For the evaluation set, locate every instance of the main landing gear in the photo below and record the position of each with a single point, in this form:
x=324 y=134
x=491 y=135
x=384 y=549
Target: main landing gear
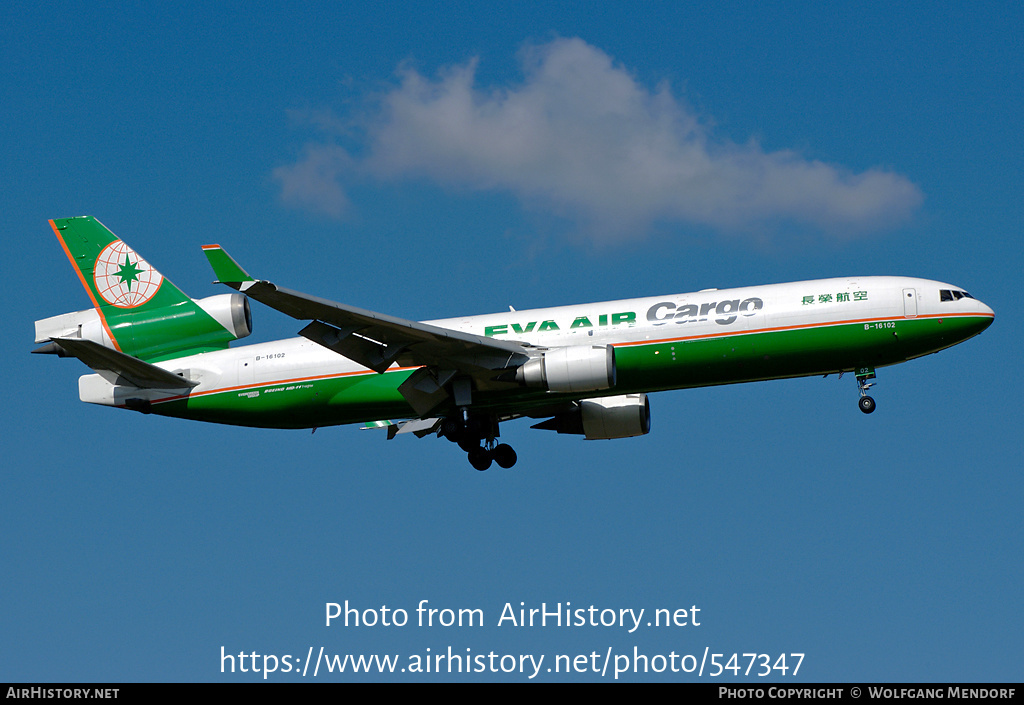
x=477 y=436
x=502 y=454
x=866 y=403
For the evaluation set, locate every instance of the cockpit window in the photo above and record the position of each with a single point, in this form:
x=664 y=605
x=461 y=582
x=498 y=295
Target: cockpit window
x=953 y=295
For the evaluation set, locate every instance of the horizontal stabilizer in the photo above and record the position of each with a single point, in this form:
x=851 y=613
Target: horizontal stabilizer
x=419 y=427
x=133 y=370
x=383 y=423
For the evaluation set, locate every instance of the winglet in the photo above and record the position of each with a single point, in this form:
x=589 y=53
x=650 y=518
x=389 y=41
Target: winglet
x=225 y=267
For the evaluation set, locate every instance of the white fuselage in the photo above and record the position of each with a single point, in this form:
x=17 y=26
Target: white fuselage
x=627 y=322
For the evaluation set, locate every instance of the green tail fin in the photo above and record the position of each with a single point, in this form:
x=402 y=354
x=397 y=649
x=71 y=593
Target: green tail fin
x=142 y=312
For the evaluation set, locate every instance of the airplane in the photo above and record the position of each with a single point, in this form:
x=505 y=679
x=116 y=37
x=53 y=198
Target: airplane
x=584 y=369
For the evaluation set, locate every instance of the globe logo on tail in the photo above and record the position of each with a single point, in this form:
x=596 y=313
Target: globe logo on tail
x=123 y=278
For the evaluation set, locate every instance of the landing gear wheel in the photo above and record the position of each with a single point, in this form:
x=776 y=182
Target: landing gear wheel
x=504 y=455
x=468 y=443
x=867 y=404
x=480 y=458
x=451 y=429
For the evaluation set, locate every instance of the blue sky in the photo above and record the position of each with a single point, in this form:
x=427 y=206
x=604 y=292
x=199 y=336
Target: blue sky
x=458 y=158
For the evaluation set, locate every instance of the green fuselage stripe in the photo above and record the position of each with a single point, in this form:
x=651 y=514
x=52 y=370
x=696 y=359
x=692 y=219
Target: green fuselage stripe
x=642 y=366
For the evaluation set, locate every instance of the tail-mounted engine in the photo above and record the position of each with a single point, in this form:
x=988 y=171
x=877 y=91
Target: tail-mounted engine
x=231 y=311
x=156 y=333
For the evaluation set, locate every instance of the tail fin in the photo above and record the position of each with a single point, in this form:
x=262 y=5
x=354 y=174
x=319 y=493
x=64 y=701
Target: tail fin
x=142 y=313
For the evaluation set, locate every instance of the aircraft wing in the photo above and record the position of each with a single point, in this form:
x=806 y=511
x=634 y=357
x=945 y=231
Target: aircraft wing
x=377 y=340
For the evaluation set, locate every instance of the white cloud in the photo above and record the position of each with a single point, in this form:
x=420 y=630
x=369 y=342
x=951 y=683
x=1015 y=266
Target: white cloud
x=313 y=183
x=580 y=137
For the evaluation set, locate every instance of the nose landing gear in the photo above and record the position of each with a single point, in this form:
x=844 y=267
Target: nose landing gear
x=866 y=403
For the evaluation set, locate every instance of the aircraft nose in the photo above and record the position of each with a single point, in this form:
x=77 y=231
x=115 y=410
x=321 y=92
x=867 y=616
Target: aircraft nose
x=987 y=310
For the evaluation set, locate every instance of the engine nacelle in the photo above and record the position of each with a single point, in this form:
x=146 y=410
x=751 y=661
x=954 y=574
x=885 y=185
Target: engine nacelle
x=577 y=368
x=621 y=416
x=150 y=333
x=231 y=311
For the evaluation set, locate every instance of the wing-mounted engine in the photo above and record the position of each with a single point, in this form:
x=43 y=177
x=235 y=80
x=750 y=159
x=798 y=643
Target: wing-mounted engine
x=620 y=416
x=577 y=368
